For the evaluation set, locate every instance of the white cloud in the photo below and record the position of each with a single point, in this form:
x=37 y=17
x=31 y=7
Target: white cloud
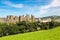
x=13 y=5
x=54 y=3
x=47 y=9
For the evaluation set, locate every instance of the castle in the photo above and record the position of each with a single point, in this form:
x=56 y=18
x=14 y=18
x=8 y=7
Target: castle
x=14 y=19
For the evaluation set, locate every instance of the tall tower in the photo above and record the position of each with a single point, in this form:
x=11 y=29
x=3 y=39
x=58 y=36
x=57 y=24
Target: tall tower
x=16 y=19
x=21 y=18
x=10 y=18
x=27 y=18
x=32 y=18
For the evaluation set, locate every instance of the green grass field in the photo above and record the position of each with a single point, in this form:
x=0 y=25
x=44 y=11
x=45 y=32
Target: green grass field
x=52 y=34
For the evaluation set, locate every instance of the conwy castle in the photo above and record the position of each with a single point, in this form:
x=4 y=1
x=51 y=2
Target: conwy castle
x=14 y=19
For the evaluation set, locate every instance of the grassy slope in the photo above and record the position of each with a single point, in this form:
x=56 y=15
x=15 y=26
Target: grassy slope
x=52 y=34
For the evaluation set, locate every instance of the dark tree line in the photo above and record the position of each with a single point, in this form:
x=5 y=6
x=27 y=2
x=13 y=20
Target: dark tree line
x=23 y=27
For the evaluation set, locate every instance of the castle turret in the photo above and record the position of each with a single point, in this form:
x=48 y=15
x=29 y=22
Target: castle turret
x=16 y=19
x=27 y=18
x=32 y=18
x=10 y=18
x=21 y=18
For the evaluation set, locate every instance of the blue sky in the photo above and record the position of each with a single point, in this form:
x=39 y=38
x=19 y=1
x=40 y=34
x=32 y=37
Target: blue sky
x=38 y=8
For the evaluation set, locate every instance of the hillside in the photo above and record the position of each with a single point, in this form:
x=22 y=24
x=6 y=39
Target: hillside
x=52 y=34
x=52 y=17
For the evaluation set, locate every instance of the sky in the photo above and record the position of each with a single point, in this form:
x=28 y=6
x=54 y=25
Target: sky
x=38 y=8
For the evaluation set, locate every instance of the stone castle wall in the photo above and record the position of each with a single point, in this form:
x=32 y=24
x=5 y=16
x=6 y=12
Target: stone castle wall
x=14 y=19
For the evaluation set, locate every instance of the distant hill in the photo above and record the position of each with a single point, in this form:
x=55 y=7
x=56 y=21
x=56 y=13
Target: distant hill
x=52 y=34
x=52 y=17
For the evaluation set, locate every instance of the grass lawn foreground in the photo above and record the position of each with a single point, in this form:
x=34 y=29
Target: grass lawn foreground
x=52 y=34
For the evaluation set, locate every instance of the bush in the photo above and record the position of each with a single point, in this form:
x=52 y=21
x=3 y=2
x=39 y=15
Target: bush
x=23 y=27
